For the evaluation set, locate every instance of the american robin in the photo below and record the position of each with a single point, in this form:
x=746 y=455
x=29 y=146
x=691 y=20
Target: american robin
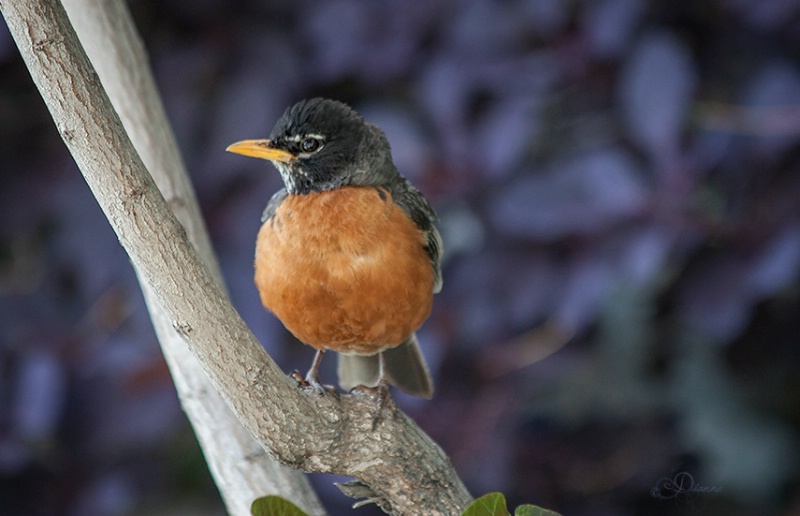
x=348 y=255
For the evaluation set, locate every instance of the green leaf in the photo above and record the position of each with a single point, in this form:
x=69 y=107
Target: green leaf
x=275 y=506
x=532 y=510
x=492 y=504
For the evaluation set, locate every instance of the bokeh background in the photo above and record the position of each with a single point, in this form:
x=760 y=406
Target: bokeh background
x=618 y=183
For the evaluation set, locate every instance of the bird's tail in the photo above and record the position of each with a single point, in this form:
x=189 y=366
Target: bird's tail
x=405 y=368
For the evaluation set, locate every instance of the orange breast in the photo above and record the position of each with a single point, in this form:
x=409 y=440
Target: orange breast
x=344 y=270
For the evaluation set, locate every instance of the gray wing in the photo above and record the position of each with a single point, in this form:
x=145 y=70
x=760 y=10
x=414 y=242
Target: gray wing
x=423 y=215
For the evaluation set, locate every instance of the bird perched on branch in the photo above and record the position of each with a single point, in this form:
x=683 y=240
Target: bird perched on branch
x=347 y=257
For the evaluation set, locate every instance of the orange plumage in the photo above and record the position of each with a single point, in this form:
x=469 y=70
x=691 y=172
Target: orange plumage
x=345 y=270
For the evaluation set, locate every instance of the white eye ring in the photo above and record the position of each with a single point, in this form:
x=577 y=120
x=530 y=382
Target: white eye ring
x=310 y=145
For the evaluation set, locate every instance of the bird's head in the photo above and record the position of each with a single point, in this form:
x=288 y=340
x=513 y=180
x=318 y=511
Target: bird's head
x=322 y=144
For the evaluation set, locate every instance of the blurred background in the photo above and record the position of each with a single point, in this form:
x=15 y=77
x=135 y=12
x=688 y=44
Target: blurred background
x=618 y=183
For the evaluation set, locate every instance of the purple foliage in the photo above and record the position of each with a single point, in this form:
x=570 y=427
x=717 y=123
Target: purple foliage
x=618 y=188
x=771 y=99
x=39 y=400
x=608 y=25
x=656 y=89
x=582 y=195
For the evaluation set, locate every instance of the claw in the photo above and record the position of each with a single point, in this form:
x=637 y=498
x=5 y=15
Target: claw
x=311 y=380
x=382 y=396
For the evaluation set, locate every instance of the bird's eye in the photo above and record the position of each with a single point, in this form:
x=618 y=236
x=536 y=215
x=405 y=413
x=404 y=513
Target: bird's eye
x=310 y=144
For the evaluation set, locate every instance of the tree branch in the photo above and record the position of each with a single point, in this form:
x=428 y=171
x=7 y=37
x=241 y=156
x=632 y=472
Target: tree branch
x=404 y=470
x=241 y=469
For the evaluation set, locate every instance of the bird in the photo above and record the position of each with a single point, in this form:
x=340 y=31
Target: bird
x=348 y=256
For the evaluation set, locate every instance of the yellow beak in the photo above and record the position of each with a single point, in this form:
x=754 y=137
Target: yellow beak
x=260 y=149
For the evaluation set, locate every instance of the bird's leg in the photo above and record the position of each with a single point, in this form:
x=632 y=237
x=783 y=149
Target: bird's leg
x=312 y=377
x=383 y=383
x=382 y=389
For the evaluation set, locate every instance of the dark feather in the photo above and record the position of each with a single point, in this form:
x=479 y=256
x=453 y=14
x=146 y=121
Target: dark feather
x=275 y=201
x=423 y=215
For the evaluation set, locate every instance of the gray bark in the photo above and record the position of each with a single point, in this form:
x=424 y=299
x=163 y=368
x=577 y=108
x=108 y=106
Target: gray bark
x=240 y=467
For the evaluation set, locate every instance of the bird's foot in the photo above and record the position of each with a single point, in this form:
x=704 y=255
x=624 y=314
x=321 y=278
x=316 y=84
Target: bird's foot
x=384 y=404
x=312 y=383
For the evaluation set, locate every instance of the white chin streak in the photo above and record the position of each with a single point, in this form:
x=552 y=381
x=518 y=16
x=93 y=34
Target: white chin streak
x=288 y=175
